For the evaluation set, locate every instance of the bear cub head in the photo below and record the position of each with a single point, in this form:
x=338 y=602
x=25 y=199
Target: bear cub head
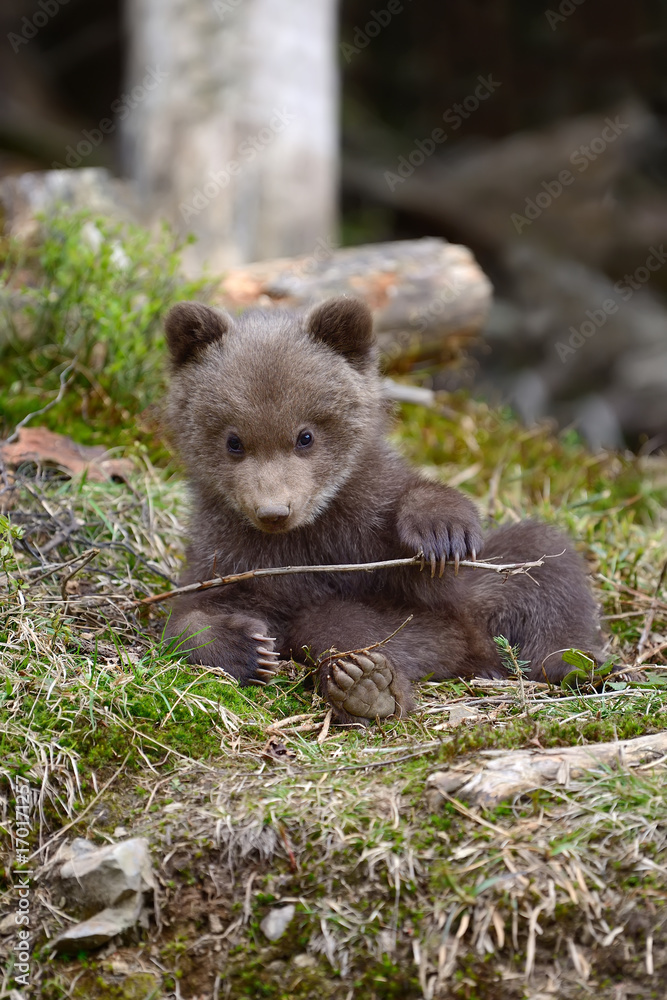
x=272 y=411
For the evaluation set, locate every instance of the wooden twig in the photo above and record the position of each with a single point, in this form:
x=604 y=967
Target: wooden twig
x=85 y=558
x=62 y=565
x=648 y=621
x=509 y=569
x=649 y=654
x=64 y=382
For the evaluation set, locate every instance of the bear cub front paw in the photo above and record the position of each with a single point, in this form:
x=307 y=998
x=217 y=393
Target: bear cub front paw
x=441 y=532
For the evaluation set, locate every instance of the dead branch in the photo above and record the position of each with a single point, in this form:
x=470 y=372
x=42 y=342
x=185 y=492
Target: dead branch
x=85 y=557
x=509 y=569
x=640 y=655
x=510 y=774
x=64 y=382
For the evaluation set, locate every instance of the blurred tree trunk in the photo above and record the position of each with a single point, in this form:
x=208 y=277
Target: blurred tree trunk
x=231 y=131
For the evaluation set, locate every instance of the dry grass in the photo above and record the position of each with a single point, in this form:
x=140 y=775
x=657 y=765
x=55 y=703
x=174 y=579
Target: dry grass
x=250 y=797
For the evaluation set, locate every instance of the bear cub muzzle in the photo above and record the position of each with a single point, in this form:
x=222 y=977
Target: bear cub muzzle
x=280 y=421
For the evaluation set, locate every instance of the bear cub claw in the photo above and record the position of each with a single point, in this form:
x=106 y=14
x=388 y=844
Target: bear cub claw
x=267 y=661
x=439 y=539
x=360 y=684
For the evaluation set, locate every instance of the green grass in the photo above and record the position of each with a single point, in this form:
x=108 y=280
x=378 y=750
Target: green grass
x=87 y=298
x=243 y=788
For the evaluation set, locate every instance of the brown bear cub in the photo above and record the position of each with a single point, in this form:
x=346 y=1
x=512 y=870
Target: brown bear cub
x=280 y=420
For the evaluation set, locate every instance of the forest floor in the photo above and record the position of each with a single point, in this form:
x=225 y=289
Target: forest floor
x=252 y=802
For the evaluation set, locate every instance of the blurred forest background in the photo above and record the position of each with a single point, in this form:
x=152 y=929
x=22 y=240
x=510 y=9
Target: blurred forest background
x=533 y=133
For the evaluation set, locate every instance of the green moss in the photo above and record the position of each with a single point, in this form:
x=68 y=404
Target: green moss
x=134 y=986
x=388 y=980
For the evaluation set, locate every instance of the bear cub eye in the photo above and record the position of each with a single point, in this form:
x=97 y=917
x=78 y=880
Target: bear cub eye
x=305 y=439
x=235 y=445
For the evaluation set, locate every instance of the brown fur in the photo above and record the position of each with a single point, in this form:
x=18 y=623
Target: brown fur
x=264 y=379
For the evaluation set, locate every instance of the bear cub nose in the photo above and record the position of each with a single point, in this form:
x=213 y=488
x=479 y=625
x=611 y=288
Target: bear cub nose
x=273 y=513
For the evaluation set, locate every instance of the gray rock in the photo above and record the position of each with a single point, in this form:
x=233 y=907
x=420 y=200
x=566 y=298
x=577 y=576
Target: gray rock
x=92 y=878
x=101 y=928
x=8 y=924
x=106 y=885
x=276 y=922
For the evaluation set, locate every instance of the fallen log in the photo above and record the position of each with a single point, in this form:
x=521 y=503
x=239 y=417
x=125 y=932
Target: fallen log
x=429 y=298
x=508 y=774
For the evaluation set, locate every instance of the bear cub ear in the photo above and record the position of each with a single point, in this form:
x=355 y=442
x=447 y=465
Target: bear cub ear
x=346 y=325
x=190 y=326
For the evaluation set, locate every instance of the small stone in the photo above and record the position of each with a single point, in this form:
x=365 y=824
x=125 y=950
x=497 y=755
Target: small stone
x=101 y=928
x=93 y=878
x=304 y=961
x=215 y=923
x=276 y=922
x=277 y=967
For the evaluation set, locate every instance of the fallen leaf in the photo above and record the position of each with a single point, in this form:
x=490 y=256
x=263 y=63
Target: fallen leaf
x=39 y=444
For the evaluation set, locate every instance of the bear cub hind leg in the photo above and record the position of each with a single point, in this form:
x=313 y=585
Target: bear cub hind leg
x=364 y=686
x=365 y=670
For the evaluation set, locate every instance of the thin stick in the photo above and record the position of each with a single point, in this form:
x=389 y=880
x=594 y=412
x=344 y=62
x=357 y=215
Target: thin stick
x=641 y=660
x=85 y=559
x=44 y=409
x=661 y=605
x=650 y=615
x=427 y=748
x=509 y=569
x=475 y=817
x=335 y=655
x=324 y=732
x=57 y=566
